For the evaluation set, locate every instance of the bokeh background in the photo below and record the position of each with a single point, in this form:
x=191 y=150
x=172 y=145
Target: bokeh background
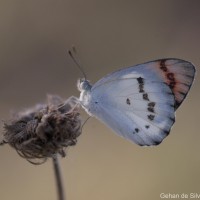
x=108 y=34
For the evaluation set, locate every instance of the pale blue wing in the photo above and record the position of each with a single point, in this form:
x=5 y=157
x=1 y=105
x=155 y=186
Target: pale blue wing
x=139 y=102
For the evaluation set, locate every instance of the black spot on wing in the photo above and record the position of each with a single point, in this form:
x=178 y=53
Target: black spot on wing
x=150 y=109
x=140 y=81
x=128 y=101
x=145 y=96
x=147 y=126
x=151 y=117
x=137 y=130
x=171 y=79
x=151 y=106
x=163 y=65
x=170 y=76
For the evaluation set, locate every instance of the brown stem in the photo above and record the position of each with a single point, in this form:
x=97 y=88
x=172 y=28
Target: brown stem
x=58 y=175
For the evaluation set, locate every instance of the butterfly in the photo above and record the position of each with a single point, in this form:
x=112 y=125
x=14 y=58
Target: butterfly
x=139 y=102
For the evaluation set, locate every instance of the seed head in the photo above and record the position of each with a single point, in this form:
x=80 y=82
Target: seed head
x=45 y=130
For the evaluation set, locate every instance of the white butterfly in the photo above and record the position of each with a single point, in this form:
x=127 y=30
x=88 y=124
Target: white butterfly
x=139 y=102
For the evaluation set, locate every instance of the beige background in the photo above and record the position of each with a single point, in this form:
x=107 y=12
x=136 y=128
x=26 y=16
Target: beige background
x=108 y=34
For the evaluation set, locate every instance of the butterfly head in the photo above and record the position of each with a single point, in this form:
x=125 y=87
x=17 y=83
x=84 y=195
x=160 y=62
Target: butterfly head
x=84 y=85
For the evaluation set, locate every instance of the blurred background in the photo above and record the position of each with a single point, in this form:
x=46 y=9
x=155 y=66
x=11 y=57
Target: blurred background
x=108 y=35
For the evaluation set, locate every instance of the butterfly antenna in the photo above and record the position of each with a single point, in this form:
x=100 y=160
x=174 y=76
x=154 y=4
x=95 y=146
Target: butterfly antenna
x=76 y=62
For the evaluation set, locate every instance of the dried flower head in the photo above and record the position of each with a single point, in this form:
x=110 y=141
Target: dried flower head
x=45 y=130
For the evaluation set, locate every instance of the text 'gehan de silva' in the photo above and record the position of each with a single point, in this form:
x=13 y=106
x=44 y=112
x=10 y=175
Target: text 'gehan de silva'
x=180 y=196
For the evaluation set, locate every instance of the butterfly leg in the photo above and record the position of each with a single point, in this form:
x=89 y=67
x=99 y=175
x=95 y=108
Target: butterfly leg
x=73 y=103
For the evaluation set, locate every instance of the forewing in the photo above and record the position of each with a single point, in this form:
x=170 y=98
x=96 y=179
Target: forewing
x=176 y=73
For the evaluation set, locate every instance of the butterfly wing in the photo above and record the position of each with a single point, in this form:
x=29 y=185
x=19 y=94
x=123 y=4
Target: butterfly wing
x=139 y=103
x=176 y=73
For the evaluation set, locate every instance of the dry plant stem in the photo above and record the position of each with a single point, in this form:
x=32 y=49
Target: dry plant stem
x=58 y=176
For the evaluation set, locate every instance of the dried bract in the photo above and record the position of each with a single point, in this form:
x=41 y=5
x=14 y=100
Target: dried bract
x=45 y=130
